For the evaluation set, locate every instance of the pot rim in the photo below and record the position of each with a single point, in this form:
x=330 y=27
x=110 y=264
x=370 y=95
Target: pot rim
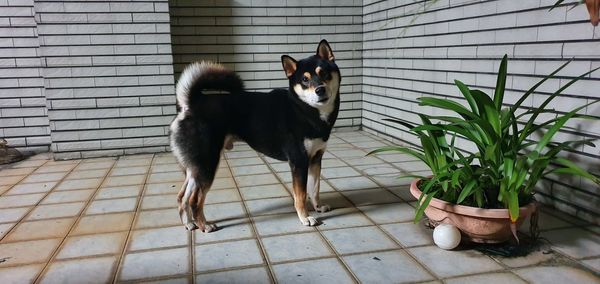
x=468 y=210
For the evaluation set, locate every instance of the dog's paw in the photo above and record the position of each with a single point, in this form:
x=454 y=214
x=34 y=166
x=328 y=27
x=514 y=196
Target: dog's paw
x=309 y=221
x=209 y=227
x=190 y=226
x=323 y=208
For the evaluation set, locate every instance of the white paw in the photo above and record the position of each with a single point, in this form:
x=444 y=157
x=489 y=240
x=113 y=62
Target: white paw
x=209 y=227
x=323 y=208
x=309 y=221
x=190 y=226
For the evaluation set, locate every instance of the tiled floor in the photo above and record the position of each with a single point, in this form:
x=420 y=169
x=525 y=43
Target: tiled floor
x=115 y=220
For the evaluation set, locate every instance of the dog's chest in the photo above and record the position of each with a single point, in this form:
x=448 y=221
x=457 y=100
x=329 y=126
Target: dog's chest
x=314 y=145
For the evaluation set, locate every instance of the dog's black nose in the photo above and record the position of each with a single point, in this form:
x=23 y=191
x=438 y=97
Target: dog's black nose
x=320 y=91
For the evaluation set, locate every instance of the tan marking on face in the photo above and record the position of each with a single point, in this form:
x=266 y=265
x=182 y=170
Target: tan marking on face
x=318 y=70
x=307 y=75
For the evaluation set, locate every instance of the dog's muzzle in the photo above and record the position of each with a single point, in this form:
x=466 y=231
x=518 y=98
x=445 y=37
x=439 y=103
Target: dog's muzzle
x=322 y=93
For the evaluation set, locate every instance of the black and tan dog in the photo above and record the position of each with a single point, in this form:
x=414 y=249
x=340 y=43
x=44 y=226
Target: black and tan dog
x=290 y=125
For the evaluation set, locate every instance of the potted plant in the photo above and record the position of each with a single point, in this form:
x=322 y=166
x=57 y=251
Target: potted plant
x=488 y=193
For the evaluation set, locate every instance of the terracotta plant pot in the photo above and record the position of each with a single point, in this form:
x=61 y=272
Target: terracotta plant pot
x=478 y=225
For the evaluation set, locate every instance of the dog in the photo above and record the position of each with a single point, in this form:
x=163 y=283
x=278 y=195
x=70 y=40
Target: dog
x=290 y=125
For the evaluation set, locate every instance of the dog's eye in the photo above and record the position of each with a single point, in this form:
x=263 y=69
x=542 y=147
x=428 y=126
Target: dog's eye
x=304 y=79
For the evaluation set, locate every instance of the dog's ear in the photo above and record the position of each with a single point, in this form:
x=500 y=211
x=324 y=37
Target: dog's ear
x=289 y=65
x=324 y=51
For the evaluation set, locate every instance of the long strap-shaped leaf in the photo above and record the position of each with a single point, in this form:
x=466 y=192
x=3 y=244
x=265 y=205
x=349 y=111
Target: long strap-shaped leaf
x=500 y=84
x=548 y=100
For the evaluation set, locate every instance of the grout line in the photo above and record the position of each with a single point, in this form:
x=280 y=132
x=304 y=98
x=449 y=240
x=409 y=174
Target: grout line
x=137 y=211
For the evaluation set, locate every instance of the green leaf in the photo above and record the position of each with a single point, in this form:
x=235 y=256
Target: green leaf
x=447 y=104
x=500 y=84
x=513 y=205
x=466 y=191
x=467 y=94
x=422 y=207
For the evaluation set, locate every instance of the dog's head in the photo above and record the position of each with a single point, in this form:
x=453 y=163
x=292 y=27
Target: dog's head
x=314 y=80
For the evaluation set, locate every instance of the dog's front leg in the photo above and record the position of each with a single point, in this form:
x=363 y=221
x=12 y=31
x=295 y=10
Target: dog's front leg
x=299 y=180
x=314 y=178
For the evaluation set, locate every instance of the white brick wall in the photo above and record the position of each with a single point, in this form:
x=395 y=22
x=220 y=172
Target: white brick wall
x=250 y=37
x=407 y=56
x=108 y=76
x=23 y=118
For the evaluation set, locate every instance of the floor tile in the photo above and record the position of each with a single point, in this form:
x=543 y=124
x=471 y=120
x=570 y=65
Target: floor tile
x=30 y=163
x=252 y=180
x=163 y=188
x=546 y=222
x=92 y=245
x=132 y=163
x=88 y=174
x=224 y=211
x=487 y=278
x=20 y=274
x=334 y=199
x=245 y=162
x=166 y=177
x=227 y=255
x=4 y=228
x=295 y=247
x=249 y=170
x=145 y=264
x=238 y=276
x=36 y=178
x=556 y=274
x=363 y=239
x=13 y=214
x=593 y=264
x=576 y=243
x=533 y=258
x=371 y=196
x=331 y=173
x=16 y=172
x=270 y=206
x=221 y=183
x=280 y=167
x=158 y=218
x=166 y=167
x=331 y=163
x=389 y=213
x=54 y=169
x=223 y=195
x=159 y=238
x=90 y=270
x=227 y=230
x=118 y=192
x=56 y=211
x=27 y=252
x=410 y=234
x=403 y=192
x=357 y=161
x=241 y=154
x=94 y=166
x=90 y=183
x=4 y=188
x=179 y=280
x=124 y=180
x=454 y=263
x=27 y=188
x=112 y=206
x=280 y=224
x=352 y=183
x=264 y=191
x=159 y=201
x=103 y=223
x=126 y=171
x=11 y=180
x=68 y=196
x=10 y=201
x=45 y=229
x=342 y=218
x=386 y=267
x=328 y=270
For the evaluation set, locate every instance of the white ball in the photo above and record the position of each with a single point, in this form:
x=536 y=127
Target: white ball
x=446 y=236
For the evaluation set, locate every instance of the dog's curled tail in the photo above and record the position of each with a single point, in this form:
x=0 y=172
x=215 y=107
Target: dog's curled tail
x=205 y=76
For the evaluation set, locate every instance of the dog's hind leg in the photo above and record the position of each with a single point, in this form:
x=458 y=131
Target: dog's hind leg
x=183 y=198
x=313 y=185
